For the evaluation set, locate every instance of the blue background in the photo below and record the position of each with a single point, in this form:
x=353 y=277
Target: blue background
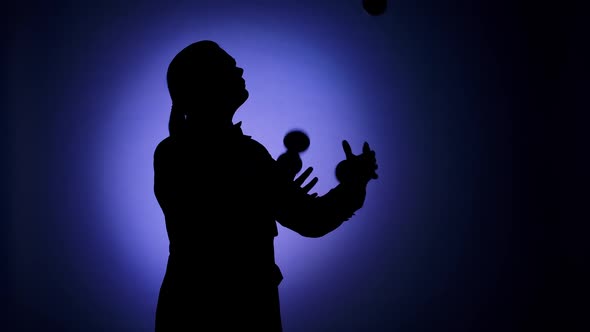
x=459 y=233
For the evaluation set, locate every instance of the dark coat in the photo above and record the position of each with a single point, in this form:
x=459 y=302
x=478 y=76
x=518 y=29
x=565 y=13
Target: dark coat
x=221 y=195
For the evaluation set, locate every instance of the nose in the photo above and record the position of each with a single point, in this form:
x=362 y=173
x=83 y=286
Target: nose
x=240 y=71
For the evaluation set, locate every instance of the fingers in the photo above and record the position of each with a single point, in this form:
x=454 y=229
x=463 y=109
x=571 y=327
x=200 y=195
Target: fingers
x=370 y=155
x=374 y=174
x=299 y=181
x=310 y=185
x=347 y=149
x=366 y=148
x=366 y=160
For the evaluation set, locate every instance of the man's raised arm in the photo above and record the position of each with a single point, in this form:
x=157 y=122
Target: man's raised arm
x=316 y=216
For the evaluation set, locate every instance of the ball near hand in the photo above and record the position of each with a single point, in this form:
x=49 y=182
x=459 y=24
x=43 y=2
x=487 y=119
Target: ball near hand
x=296 y=141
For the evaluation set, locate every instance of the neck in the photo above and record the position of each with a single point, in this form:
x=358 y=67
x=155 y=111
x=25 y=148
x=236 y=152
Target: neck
x=207 y=123
x=195 y=120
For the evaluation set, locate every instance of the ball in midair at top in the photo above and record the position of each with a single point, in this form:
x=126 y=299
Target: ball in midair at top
x=375 y=7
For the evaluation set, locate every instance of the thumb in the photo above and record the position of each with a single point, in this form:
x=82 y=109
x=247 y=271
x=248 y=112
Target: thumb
x=347 y=149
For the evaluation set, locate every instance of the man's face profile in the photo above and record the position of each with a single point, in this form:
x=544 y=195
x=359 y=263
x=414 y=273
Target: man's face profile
x=204 y=73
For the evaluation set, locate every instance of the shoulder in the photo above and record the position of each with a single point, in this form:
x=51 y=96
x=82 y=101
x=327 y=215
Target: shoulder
x=257 y=148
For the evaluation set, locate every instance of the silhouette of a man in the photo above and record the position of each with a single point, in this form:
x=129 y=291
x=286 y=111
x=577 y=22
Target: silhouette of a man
x=222 y=193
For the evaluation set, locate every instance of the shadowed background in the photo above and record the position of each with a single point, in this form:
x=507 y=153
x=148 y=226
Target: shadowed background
x=457 y=234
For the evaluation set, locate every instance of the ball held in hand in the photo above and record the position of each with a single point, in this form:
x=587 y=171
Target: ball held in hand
x=290 y=163
x=344 y=172
x=357 y=168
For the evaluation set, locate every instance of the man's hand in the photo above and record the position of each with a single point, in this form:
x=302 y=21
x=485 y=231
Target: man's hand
x=299 y=181
x=357 y=168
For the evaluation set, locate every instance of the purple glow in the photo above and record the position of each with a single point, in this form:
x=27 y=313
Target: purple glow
x=300 y=75
x=439 y=90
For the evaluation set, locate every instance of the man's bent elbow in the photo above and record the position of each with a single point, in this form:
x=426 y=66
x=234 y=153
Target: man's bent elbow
x=312 y=233
x=317 y=231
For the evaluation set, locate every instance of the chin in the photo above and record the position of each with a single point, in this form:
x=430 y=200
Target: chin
x=238 y=100
x=244 y=96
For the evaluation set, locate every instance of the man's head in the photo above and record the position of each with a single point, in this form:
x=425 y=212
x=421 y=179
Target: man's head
x=203 y=77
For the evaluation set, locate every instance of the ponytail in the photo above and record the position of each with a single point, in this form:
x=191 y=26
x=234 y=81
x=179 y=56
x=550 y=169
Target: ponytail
x=177 y=121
